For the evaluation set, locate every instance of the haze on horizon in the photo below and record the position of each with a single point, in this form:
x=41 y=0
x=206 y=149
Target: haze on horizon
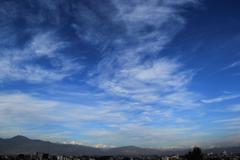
x=155 y=73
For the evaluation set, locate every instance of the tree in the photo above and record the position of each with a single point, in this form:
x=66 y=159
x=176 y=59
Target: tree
x=195 y=154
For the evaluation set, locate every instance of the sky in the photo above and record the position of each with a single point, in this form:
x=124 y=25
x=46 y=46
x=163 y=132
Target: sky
x=149 y=73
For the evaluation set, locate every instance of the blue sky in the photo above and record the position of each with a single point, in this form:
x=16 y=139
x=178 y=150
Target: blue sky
x=156 y=73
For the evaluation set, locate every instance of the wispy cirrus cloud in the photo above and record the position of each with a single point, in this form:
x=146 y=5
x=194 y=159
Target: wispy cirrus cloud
x=233 y=65
x=221 y=98
x=230 y=124
x=234 y=108
x=20 y=64
x=131 y=90
x=160 y=80
x=128 y=73
x=229 y=120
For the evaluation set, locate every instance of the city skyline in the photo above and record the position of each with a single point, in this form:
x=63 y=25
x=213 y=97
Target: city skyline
x=156 y=73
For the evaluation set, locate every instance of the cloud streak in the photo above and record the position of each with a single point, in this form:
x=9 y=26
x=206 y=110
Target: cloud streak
x=220 y=99
x=233 y=65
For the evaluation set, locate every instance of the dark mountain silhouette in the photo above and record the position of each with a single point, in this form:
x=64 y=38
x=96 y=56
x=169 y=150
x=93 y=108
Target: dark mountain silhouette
x=21 y=144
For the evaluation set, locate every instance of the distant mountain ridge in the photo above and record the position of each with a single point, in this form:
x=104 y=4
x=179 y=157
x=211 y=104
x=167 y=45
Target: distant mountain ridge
x=21 y=144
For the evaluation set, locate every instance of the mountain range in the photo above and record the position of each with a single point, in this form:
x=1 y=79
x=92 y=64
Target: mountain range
x=21 y=144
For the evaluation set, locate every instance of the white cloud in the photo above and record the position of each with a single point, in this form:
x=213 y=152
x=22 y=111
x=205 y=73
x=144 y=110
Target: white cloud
x=230 y=124
x=105 y=124
x=18 y=64
x=179 y=2
x=46 y=44
x=150 y=25
x=135 y=70
x=220 y=99
x=161 y=81
x=234 y=108
x=227 y=120
x=24 y=114
x=182 y=98
x=20 y=108
x=233 y=65
x=143 y=81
